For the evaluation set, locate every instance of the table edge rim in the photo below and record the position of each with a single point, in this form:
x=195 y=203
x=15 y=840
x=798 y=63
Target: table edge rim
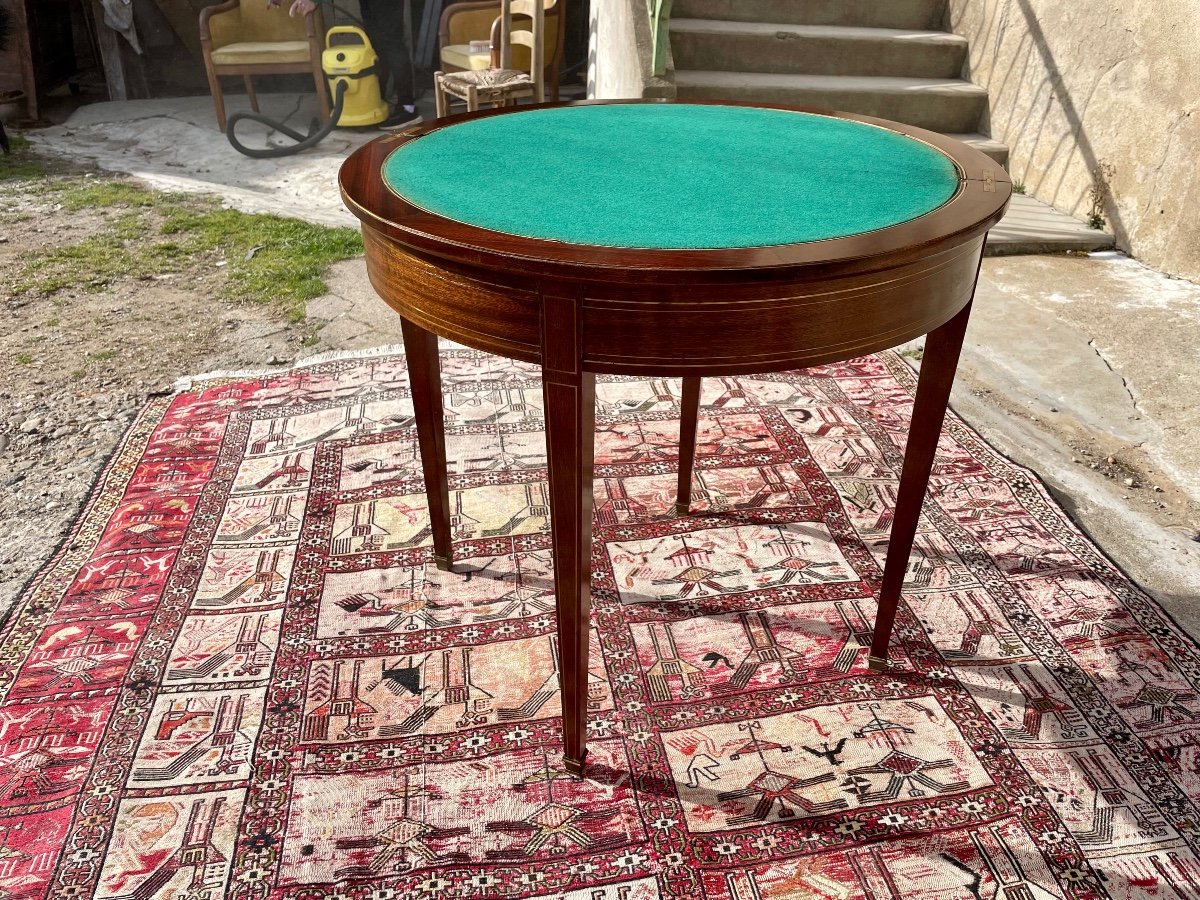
x=980 y=200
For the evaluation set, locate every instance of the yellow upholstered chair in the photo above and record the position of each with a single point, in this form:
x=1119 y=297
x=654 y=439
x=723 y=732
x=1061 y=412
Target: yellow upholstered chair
x=479 y=20
x=249 y=38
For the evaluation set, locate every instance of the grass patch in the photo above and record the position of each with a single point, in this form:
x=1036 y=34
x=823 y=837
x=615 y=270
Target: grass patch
x=103 y=355
x=89 y=266
x=93 y=193
x=24 y=358
x=22 y=162
x=267 y=258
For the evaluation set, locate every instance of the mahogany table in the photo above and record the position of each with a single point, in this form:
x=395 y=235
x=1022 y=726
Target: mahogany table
x=670 y=240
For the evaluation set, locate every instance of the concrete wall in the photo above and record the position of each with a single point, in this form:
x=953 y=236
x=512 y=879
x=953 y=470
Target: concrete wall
x=621 y=53
x=1076 y=85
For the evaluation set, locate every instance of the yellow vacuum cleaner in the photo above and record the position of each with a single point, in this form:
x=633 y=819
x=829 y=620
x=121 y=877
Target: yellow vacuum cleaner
x=351 y=69
x=354 y=66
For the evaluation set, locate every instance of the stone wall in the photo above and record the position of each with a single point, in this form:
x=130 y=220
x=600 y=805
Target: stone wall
x=1109 y=85
x=621 y=53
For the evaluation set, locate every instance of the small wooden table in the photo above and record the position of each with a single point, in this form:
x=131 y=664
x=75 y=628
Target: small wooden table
x=670 y=240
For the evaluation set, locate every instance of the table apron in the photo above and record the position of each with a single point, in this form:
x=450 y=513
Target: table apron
x=676 y=330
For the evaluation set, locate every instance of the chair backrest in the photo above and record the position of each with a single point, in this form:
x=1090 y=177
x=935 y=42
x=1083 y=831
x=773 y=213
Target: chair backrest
x=257 y=22
x=532 y=38
x=475 y=20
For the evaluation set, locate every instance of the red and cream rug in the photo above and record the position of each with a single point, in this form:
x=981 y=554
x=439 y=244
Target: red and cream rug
x=242 y=676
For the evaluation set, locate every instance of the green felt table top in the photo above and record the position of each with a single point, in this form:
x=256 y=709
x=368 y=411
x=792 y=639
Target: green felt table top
x=671 y=176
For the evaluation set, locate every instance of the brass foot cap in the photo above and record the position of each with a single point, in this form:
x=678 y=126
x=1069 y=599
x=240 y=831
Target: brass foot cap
x=574 y=766
x=445 y=563
x=877 y=663
x=683 y=509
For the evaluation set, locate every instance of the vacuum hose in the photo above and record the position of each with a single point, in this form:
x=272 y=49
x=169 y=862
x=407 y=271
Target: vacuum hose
x=303 y=141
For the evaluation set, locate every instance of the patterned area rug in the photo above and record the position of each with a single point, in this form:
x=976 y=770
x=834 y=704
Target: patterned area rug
x=243 y=677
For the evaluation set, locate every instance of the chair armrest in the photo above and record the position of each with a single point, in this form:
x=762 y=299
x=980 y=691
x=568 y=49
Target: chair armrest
x=209 y=11
x=314 y=25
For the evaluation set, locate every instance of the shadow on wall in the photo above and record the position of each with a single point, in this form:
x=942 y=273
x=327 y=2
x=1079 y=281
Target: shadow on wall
x=1033 y=128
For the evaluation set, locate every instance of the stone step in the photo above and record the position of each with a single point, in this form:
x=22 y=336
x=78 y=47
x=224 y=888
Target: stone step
x=1031 y=226
x=717 y=45
x=922 y=14
x=720 y=45
x=951 y=106
x=997 y=150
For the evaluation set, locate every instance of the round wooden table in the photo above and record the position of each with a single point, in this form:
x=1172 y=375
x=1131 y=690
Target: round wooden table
x=670 y=240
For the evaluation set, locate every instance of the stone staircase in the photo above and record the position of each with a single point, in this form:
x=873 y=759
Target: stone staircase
x=886 y=58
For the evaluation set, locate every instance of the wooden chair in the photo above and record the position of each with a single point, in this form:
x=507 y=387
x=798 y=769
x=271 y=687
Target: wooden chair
x=504 y=84
x=479 y=20
x=251 y=39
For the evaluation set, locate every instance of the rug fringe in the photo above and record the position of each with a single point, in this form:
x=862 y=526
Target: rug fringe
x=185 y=383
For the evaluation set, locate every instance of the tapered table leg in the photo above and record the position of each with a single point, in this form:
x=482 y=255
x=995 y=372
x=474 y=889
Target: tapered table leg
x=942 y=348
x=425 y=381
x=570 y=401
x=689 y=413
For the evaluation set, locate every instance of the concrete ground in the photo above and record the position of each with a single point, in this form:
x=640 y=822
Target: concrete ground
x=174 y=144
x=1086 y=369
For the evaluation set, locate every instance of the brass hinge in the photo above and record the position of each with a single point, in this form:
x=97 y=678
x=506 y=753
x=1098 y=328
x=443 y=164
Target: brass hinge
x=989 y=181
